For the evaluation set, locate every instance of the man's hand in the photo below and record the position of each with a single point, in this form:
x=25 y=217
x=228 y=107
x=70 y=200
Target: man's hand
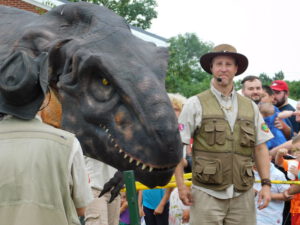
x=185 y=195
x=264 y=197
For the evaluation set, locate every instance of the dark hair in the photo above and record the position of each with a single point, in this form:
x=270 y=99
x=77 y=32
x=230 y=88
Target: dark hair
x=249 y=78
x=267 y=89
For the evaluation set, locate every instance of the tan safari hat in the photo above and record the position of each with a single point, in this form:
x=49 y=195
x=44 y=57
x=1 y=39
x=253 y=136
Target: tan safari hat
x=228 y=50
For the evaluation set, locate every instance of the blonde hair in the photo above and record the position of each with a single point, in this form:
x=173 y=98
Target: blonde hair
x=266 y=109
x=177 y=100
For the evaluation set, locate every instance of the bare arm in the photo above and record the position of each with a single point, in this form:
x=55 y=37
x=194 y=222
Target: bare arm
x=263 y=168
x=183 y=190
x=286 y=130
x=160 y=208
x=287 y=145
x=140 y=200
x=124 y=206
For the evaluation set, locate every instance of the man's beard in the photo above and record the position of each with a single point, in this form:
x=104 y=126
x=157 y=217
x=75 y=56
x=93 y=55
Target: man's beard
x=280 y=103
x=257 y=99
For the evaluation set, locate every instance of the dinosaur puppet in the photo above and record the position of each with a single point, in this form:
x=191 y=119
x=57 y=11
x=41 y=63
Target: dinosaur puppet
x=109 y=82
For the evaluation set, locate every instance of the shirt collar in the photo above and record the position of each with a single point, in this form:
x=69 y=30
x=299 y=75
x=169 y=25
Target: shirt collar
x=7 y=117
x=219 y=95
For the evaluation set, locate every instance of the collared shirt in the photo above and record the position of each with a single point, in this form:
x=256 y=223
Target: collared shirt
x=78 y=179
x=191 y=117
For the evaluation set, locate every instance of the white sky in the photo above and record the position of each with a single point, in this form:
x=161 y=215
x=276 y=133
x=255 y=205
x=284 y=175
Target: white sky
x=266 y=31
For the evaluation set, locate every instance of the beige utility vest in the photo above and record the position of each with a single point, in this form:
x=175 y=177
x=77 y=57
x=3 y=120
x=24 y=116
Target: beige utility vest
x=34 y=174
x=222 y=157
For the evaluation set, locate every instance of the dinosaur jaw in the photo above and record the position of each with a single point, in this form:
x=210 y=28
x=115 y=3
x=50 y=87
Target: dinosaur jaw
x=149 y=174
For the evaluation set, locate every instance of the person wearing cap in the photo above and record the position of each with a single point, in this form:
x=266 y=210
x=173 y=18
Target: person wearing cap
x=42 y=172
x=281 y=94
x=229 y=134
x=253 y=89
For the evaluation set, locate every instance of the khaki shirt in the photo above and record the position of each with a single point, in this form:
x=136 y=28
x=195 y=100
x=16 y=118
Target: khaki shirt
x=190 y=119
x=78 y=176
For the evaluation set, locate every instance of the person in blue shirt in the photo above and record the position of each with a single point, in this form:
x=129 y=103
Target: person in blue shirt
x=268 y=112
x=283 y=124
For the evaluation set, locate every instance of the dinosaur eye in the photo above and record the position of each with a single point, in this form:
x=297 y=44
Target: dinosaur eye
x=105 y=82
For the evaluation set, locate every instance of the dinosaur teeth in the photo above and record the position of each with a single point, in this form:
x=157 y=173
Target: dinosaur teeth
x=138 y=162
x=106 y=130
x=116 y=145
x=112 y=140
x=150 y=169
x=144 y=167
x=130 y=160
x=125 y=156
x=120 y=151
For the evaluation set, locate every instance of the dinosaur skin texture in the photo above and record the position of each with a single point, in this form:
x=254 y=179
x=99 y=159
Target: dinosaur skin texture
x=109 y=82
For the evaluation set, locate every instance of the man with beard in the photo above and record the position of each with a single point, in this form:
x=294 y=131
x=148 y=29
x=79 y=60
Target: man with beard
x=281 y=93
x=252 y=88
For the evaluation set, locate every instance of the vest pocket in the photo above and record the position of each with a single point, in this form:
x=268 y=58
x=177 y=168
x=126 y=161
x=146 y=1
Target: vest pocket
x=220 y=134
x=208 y=171
x=247 y=135
x=209 y=134
x=247 y=174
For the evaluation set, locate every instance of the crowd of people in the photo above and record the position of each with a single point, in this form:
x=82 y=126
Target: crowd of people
x=236 y=139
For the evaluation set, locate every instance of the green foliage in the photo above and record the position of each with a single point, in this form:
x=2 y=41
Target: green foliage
x=136 y=12
x=184 y=74
x=294 y=89
x=265 y=79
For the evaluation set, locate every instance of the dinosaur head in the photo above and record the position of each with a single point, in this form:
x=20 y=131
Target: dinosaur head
x=116 y=103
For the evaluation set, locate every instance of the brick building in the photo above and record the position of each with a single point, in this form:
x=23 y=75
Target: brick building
x=36 y=6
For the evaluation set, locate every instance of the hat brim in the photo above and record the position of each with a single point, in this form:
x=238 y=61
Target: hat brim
x=241 y=61
x=277 y=88
x=26 y=112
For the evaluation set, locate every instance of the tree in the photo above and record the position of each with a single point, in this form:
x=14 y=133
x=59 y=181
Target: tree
x=265 y=79
x=279 y=76
x=184 y=73
x=136 y=12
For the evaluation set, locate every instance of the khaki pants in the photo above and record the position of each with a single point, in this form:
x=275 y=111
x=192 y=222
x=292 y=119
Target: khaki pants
x=208 y=210
x=100 y=212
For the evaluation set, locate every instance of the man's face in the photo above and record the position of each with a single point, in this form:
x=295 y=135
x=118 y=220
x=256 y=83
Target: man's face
x=253 y=90
x=280 y=98
x=266 y=98
x=224 y=67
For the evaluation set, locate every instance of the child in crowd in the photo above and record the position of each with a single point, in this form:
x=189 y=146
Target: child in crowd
x=268 y=112
x=294 y=170
x=273 y=213
x=124 y=210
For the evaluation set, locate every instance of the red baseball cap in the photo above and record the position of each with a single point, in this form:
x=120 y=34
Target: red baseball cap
x=279 y=85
